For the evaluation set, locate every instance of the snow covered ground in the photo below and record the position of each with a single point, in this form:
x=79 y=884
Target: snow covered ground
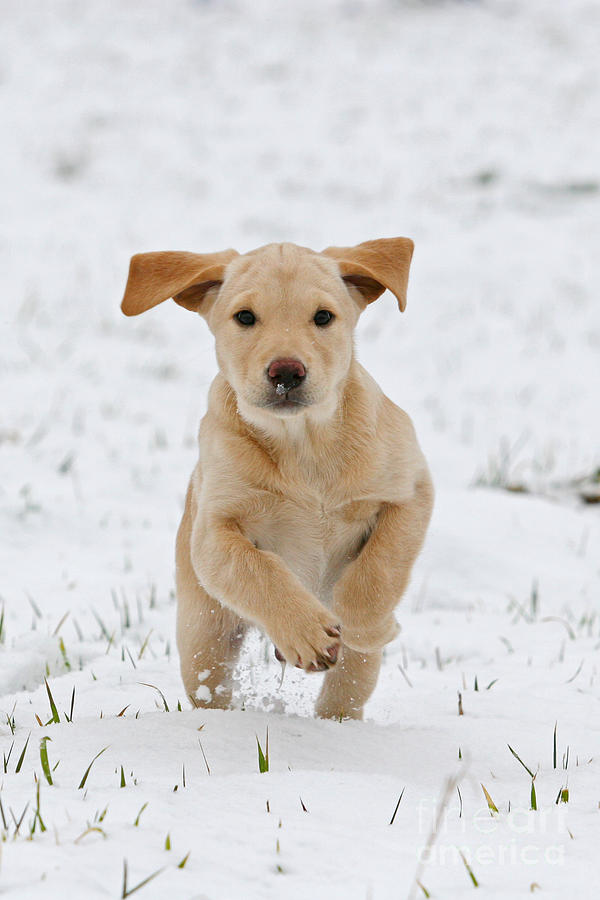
x=474 y=129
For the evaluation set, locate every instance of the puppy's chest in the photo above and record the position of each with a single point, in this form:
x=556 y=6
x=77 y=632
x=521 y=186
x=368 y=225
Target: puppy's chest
x=315 y=534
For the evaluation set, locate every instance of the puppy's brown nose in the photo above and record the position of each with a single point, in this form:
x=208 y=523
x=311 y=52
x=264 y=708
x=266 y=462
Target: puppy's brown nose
x=287 y=372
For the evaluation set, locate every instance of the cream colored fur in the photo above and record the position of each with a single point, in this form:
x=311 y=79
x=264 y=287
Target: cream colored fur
x=301 y=516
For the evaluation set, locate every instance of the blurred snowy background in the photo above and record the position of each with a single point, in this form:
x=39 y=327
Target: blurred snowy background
x=472 y=127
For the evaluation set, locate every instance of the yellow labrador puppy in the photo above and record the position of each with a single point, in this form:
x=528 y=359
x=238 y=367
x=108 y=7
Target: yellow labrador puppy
x=311 y=498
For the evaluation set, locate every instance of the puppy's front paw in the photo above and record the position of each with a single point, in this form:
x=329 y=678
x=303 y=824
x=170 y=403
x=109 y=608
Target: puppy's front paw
x=311 y=641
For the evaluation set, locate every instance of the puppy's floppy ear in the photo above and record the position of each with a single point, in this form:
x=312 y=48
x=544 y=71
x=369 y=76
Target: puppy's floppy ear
x=376 y=265
x=154 y=277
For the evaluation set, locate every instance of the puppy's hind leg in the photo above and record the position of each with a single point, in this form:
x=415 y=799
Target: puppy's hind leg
x=209 y=636
x=348 y=686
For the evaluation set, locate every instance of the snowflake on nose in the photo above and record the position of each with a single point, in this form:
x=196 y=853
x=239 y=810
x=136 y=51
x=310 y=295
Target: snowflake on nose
x=280 y=390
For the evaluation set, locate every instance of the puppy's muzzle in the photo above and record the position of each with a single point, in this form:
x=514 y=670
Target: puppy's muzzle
x=286 y=374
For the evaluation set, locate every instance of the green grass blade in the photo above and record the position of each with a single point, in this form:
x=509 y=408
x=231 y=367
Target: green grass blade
x=469 y=869
x=397 y=805
x=165 y=704
x=103 y=627
x=87 y=771
x=145 y=644
x=63 y=651
x=34 y=606
x=533 y=796
x=6 y=759
x=126 y=892
x=38 y=814
x=53 y=709
x=137 y=819
x=70 y=718
x=44 y=759
x=517 y=757
x=263 y=757
x=22 y=756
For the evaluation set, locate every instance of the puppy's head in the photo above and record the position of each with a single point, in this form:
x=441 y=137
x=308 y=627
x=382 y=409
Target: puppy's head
x=282 y=315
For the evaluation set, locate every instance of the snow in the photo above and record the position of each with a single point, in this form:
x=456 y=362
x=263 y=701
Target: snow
x=470 y=127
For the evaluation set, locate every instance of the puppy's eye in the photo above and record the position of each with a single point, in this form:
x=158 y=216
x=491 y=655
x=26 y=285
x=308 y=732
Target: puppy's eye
x=245 y=317
x=323 y=317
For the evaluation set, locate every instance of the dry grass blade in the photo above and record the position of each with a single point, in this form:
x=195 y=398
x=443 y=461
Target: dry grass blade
x=563 y=622
x=90 y=830
x=204 y=756
x=145 y=644
x=449 y=787
x=20 y=822
x=491 y=805
x=61 y=623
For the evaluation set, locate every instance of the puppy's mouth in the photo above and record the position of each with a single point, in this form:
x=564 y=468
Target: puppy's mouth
x=284 y=401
